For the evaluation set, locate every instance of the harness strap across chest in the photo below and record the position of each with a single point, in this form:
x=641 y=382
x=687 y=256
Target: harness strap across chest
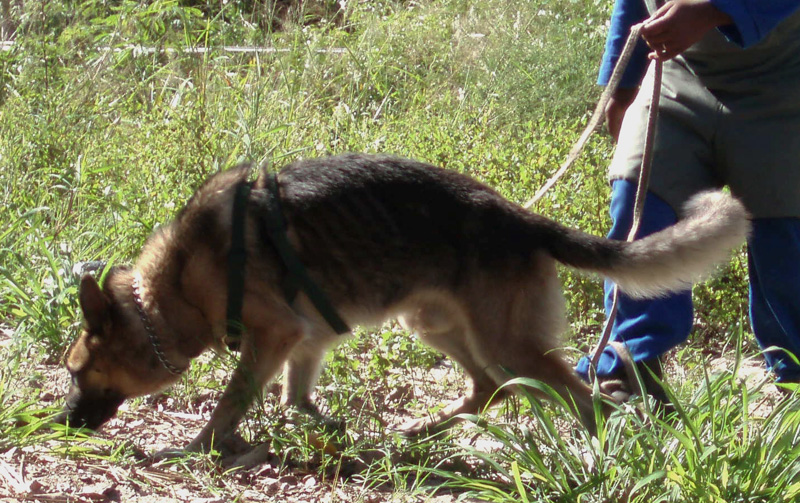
x=268 y=207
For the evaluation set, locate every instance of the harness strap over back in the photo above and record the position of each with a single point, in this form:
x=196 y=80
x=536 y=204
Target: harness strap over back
x=237 y=262
x=268 y=204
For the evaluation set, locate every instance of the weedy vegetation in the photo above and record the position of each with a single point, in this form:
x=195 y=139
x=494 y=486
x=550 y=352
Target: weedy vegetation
x=113 y=111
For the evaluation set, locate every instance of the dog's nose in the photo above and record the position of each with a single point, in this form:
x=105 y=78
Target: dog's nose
x=62 y=416
x=89 y=410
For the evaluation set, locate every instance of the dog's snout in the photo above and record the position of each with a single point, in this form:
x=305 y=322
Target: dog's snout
x=89 y=409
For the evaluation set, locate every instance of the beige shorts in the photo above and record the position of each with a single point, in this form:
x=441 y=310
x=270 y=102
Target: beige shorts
x=745 y=136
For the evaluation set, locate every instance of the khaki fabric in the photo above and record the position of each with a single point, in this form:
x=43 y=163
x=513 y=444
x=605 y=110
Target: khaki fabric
x=728 y=116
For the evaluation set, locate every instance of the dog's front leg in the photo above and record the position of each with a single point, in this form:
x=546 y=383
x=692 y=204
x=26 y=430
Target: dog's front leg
x=262 y=354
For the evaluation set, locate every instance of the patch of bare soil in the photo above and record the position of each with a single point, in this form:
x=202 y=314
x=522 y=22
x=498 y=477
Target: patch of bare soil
x=92 y=471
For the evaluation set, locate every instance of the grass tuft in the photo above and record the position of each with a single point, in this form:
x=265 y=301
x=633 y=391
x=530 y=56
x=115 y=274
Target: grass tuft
x=111 y=113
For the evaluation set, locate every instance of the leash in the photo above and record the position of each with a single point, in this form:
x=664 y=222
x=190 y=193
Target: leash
x=644 y=169
x=638 y=207
x=597 y=115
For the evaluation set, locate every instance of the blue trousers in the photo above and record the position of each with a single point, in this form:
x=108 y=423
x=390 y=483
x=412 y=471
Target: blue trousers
x=649 y=328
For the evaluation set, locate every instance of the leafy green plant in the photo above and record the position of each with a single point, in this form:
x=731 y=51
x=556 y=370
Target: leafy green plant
x=711 y=449
x=112 y=112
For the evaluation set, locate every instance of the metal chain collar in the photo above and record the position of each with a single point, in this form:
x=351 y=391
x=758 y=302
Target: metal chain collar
x=148 y=327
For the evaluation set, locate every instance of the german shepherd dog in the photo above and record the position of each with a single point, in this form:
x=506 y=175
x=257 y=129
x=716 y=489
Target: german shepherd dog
x=472 y=273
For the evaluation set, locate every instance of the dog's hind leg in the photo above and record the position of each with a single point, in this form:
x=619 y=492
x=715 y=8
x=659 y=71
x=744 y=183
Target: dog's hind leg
x=517 y=330
x=503 y=324
x=441 y=323
x=483 y=393
x=550 y=368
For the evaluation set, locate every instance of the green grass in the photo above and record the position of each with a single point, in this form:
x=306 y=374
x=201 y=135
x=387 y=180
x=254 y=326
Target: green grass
x=712 y=450
x=101 y=141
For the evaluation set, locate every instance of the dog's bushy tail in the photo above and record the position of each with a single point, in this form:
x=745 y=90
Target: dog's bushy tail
x=714 y=224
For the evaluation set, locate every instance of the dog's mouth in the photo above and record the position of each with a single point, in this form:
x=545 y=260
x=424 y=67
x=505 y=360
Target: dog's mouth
x=89 y=409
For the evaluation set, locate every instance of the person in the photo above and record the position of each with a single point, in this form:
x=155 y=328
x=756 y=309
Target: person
x=729 y=115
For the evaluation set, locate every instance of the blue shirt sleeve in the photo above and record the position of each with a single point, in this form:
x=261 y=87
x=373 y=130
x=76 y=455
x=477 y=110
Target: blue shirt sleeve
x=753 y=19
x=626 y=14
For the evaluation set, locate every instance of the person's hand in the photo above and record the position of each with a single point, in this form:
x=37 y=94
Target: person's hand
x=616 y=107
x=679 y=24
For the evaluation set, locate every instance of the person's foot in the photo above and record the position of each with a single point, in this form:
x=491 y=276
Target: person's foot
x=623 y=385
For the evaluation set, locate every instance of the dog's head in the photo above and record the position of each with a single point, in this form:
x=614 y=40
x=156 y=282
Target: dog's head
x=112 y=359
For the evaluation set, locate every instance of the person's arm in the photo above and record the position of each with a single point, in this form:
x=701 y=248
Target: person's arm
x=617 y=106
x=626 y=14
x=679 y=24
x=752 y=20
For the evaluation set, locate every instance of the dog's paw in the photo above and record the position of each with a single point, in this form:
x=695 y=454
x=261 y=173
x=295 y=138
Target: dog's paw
x=418 y=428
x=256 y=456
x=167 y=454
x=231 y=446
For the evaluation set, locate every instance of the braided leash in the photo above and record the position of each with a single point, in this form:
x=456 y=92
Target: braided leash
x=597 y=115
x=644 y=169
x=638 y=208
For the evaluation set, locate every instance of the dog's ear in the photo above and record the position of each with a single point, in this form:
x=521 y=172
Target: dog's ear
x=94 y=304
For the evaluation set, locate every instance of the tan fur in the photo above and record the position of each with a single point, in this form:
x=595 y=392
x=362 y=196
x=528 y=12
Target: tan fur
x=471 y=273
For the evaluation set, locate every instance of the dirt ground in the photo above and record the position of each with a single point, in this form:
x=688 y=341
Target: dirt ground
x=39 y=473
x=48 y=472
x=91 y=470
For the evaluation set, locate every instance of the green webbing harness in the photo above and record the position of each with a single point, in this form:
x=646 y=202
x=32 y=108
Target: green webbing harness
x=237 y=261
x=269 y=209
